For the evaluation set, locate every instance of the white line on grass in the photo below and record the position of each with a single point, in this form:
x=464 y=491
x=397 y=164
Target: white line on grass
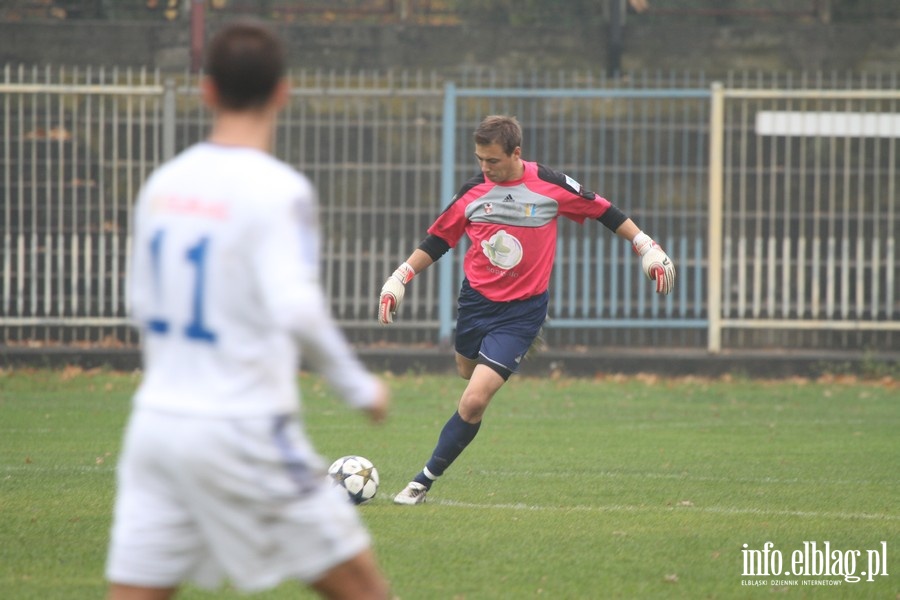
x=675 y=476
x=722 y=510
x=34 y=468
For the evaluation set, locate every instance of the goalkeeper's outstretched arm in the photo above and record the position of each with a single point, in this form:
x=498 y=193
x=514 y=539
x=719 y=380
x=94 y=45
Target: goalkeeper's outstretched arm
x=394 y=288
x=656 y=264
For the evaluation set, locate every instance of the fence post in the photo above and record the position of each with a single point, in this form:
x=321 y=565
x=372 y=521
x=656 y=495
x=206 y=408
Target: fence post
x=168 y=128
x=716 y=173
x=448 y=168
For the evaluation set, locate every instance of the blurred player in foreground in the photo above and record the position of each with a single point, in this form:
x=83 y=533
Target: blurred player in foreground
x=217 y=479
x=510 y=214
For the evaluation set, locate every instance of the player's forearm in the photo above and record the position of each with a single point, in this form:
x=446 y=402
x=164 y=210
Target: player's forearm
x=433 y=247
x=628 y=230
x=419 y=260
x=394 y=289
x=326 y=349
x=303 y=310
x=655 y=262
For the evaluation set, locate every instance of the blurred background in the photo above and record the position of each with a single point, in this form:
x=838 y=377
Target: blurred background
x=757 y=140
x=709 y=35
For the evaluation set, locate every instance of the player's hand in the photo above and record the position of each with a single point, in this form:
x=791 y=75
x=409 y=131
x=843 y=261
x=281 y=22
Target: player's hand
x=392 y=293
x=656 y=264
x=379 y=409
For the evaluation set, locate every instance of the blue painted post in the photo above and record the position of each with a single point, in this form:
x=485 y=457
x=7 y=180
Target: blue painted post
x=448 y=170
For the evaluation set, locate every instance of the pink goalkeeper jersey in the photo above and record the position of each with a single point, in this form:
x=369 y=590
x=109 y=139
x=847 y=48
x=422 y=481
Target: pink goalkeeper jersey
x=512 y=227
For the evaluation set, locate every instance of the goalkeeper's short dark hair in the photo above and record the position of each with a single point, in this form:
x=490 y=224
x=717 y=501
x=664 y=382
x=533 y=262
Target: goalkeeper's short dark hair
x=499 y=129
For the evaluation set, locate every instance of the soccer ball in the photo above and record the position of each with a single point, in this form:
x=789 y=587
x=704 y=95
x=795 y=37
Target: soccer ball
x=357 y=475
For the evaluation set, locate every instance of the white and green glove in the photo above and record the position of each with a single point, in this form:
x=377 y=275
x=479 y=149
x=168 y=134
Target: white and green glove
x=392 y=293
x=656 y=264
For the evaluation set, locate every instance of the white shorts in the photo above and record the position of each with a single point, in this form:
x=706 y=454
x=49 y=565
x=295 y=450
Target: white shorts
x=204 y=499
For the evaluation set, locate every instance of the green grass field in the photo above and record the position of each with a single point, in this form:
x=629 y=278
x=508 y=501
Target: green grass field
x=575 y=488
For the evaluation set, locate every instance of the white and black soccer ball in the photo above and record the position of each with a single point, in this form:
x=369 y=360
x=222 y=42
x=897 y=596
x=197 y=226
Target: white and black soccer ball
x=357 y=475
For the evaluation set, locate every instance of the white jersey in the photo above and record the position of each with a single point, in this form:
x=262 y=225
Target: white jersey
x=224 y=286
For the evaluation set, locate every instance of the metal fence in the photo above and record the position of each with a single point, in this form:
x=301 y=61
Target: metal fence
x=804 y=217
x=783 y=238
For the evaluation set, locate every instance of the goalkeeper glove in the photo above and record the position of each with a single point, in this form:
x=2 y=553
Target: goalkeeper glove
x=656 y=264
x=392 y=293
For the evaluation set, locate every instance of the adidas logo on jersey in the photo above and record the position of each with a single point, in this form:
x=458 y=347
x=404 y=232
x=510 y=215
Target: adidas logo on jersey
x=509 y=198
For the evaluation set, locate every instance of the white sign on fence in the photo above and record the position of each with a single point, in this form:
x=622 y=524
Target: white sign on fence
x=827 y=124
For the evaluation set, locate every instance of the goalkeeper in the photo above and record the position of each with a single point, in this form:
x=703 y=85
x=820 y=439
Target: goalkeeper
x=510 y=213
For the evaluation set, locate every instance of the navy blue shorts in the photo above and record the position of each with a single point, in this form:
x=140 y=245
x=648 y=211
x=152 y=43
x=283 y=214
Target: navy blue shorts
x=497 y=334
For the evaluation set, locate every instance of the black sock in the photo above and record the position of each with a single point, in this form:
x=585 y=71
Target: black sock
x=454 y=438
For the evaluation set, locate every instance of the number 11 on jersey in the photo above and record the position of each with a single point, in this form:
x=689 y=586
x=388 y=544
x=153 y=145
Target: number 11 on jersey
x=196 y=256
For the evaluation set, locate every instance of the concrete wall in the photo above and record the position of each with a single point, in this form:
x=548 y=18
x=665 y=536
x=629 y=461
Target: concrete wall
x=714 y=49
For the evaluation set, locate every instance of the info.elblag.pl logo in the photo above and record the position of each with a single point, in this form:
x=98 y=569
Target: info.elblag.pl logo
x=813 y=559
